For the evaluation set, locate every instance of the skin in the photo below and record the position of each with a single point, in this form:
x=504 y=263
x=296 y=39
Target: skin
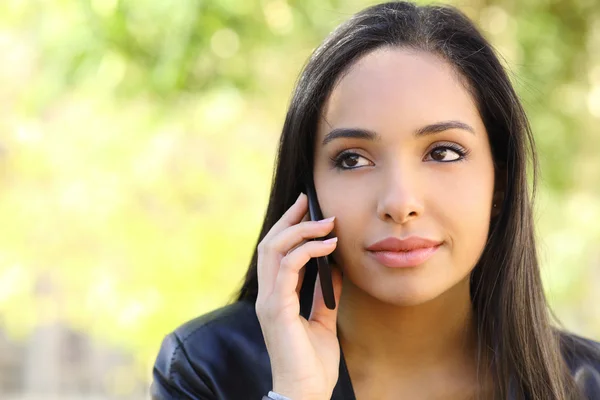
x=405 y=333
x=413 y=325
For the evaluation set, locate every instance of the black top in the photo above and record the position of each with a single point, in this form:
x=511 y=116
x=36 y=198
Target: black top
x=222 y=355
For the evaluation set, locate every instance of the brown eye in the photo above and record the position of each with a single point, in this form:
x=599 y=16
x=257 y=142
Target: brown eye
x=351 y=160
x=446 y=154
x=347 y=160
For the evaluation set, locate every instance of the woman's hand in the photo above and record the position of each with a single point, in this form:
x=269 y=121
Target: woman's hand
x=304 y=354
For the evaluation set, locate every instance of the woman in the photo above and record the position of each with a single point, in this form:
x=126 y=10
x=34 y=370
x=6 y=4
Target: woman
x=417 y=145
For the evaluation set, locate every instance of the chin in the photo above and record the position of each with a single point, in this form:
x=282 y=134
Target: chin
x=406 y=295
x=414 y=290
x=400 y=292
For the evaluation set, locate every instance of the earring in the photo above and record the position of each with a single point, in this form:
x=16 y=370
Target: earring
x=494 y=205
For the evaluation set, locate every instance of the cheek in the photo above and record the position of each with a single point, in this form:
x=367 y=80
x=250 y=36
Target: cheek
x=338 y=197
x=465 y=212
x=468 y=200
x=465 y=191
x=351 y=209
x=351 y=216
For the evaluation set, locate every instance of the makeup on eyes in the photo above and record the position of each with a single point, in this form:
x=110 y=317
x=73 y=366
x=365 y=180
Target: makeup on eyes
x=442 y=148
x=461 y=151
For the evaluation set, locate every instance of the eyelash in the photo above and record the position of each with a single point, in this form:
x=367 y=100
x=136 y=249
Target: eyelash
x=462 y=153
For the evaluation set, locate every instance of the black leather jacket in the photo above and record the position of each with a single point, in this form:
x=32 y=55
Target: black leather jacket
x=222 y=355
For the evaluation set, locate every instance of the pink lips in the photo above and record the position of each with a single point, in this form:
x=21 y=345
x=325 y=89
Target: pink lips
x=409 y=252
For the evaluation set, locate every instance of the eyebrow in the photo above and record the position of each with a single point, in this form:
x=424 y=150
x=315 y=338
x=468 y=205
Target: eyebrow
x=358 y=133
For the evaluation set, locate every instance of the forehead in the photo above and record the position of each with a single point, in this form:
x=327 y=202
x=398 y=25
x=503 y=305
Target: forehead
x=398 y=87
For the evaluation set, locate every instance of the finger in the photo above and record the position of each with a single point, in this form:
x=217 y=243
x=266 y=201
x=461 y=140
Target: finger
x=264 y=272
x=294 y=236
x=289 y=271
x=284 y=244
x=319 y=312
x=304 y=219
x=303 y=270
x=292 y=216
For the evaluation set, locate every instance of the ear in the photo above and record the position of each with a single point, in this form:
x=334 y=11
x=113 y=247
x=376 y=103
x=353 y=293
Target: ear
x=500 y=184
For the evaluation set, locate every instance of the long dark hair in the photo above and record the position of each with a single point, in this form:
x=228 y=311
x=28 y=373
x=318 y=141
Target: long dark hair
x=513 y=320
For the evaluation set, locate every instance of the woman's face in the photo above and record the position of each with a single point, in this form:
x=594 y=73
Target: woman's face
x=417 y=177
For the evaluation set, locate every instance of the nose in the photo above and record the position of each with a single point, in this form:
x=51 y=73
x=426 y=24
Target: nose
x=400 y=199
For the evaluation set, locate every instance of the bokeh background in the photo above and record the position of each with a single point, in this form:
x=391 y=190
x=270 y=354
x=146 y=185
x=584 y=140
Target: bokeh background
x=137 y=140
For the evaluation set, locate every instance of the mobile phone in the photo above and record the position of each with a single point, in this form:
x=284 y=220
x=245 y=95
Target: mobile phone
x=323 y=264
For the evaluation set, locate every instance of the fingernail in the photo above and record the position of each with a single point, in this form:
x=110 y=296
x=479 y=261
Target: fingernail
x=332 y=240
x=299 y=197
x=327 y=220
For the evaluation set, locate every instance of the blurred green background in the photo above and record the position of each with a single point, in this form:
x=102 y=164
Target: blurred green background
x=137 y=140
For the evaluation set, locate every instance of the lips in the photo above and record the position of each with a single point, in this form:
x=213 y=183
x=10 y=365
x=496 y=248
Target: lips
x=408 y=244
x=397 y=253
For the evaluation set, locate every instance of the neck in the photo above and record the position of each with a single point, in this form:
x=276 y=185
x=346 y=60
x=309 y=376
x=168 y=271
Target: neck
x=438 y=333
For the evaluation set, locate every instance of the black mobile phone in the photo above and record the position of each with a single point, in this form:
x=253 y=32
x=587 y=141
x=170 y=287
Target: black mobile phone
x=323 y=264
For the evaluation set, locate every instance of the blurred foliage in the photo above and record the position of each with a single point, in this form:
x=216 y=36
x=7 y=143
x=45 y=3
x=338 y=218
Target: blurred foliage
x=137 y=141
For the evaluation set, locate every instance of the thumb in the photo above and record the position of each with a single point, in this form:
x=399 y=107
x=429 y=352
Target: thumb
x=320 y=313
